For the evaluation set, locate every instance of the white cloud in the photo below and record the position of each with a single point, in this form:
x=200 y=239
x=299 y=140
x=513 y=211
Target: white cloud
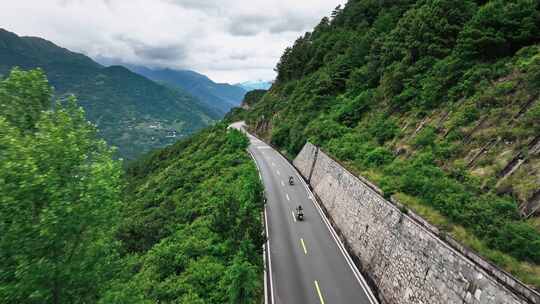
x=230 y=41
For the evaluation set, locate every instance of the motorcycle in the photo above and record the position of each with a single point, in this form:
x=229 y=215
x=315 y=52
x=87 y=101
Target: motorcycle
x=299 y=213
x=291 y=180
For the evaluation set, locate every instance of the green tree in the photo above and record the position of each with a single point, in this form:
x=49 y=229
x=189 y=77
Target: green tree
x=428 y=30
x=23 y=96
x=59 y=197
x=500 y=28
x=242 y=281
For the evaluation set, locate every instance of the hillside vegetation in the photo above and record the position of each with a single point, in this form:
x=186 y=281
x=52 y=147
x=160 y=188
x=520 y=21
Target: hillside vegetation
x=182 y=225
x=130 y=111
x=192 y=222
x=436 y=101
x=253 y=97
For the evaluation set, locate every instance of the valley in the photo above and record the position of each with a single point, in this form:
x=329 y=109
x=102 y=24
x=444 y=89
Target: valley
x=121 y=103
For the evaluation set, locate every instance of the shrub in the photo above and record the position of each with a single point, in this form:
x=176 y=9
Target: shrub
x=236 y=139
x=500 y=28
x=378 y=157
x=426 y=137
x=351 y=111
x=533 y=117
x=350 y=146
x=382 y=128
x=321 y=130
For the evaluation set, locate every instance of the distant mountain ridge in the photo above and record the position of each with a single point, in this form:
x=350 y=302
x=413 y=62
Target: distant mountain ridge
x=255 y=85
x=132 y=112
x=218 y=96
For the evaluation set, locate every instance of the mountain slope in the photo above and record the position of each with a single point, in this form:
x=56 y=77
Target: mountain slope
x=219 y=96
x=437 y=102
x=192 y=222
x=132 y=112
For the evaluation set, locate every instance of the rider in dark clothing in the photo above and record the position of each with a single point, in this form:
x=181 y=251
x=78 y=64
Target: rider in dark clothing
x=299 y=213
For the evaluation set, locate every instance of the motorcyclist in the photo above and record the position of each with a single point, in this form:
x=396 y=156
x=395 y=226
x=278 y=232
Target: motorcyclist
x=299 y=213
x=291 y=180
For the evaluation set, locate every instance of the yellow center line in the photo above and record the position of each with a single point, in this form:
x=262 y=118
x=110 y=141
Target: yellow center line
x=303 y=245
x=319 y=291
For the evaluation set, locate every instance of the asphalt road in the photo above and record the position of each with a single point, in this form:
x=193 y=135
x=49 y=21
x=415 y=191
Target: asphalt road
x=305 y=261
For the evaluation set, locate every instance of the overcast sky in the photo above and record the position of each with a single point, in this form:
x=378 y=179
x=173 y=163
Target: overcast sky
x=228 y=40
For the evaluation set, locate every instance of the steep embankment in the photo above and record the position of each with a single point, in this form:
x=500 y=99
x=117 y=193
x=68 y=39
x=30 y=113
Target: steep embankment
x=131 y=112
x=191 y=224
x=436 y=102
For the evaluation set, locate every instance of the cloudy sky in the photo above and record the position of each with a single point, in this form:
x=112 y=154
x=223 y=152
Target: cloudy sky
x=228 y=40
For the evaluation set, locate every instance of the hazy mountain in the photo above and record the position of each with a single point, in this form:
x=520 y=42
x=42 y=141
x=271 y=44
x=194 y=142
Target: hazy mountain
x=132 y=112
x=255 y=85
x=218 y=96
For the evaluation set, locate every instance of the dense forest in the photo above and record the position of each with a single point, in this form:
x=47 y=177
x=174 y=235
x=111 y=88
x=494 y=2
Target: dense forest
x=181 y=225
x=192 y=224
x=437 y=102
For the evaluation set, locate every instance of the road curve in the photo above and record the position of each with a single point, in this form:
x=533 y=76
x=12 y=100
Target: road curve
x=305 y=261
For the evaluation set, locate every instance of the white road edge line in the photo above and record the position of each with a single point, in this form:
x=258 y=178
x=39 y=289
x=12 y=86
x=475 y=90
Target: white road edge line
x=264 y=274
x=269 y=258
x=341 y=247
x=267 y=238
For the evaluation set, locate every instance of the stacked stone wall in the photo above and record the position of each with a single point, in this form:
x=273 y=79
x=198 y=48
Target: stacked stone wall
x=305 y=160
x=404 y=257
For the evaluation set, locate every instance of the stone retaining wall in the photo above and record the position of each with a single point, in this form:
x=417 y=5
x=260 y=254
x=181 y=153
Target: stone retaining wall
x=402 y=255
